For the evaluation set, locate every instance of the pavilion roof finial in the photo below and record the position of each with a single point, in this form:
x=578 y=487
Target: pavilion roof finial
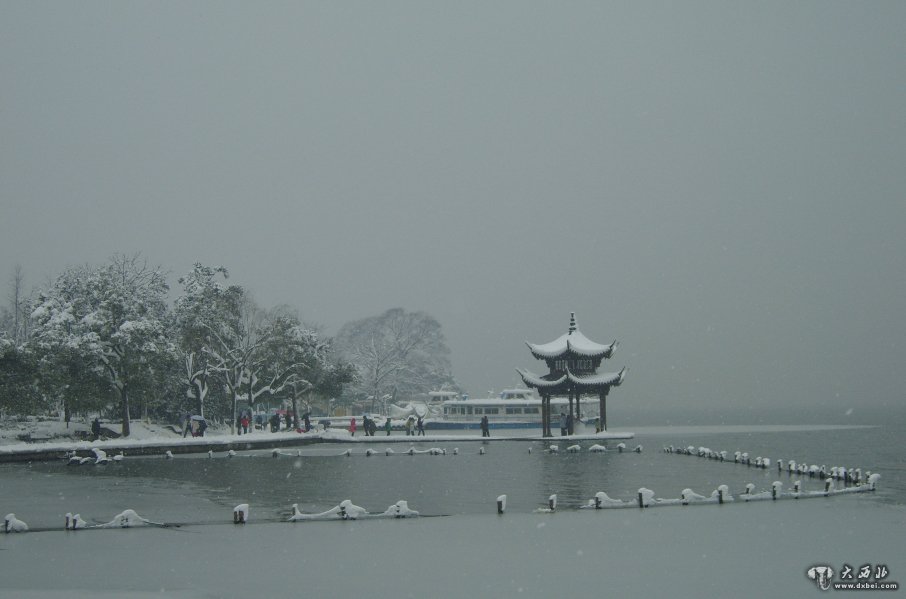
x=572 y=322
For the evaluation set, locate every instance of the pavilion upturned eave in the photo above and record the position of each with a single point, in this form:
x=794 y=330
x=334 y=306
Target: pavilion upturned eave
x=595 y=381
x=538 y=382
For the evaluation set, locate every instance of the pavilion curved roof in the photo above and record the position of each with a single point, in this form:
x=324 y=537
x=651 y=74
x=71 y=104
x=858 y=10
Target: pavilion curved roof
x=533 y=380
x=569 y=379
x=573 y=342
x=596 y=380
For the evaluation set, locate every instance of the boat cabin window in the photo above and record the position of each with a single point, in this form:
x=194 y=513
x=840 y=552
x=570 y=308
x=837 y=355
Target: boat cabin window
x=478 y=410
x=491 y=410
x=514 y=410
x=531 y=410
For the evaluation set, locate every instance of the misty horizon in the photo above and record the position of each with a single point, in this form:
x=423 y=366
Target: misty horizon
x=717 y=187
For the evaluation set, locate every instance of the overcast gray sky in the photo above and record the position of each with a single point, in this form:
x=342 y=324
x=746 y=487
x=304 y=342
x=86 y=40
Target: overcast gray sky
x=718 y=185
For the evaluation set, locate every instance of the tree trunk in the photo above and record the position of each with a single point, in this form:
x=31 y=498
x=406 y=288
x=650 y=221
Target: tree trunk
x=199 y=395
x=124 y=401
x=67 y=412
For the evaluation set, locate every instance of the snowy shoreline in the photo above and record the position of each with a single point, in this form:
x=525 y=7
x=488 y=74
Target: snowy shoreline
x=157 y=440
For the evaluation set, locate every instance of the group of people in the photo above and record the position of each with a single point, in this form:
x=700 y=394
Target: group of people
x=196 y=426
x=368 y=425
x=566 y=424
x=412 y=425
x=245 y=421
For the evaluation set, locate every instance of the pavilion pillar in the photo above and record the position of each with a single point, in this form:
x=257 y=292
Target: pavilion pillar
x=578 y=405
x=603 y=408
x=572 y=417
x=546 y=415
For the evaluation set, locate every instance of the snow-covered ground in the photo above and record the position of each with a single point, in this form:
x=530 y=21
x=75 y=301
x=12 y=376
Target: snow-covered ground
x=53 y=435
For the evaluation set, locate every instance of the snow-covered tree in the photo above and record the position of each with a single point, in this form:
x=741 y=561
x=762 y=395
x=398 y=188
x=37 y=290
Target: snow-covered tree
x=207 y=308
x=114 y=317
x=19 y=392
x=398 y=353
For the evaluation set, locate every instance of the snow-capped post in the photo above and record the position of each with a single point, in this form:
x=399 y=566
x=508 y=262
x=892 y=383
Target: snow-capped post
x=169 y=455
x=722 y=492
x=736 y=456
x=796 y=486
x=275 y=453
x=645 y=497
x=791 y=466
x=828 y=486
x=552 y=502
x=75 y=522
x=481 y=451
x=501 y=504
x=241 y=513
x=621 y=447
x=749 y=488
x=775 y=489
x=13 y=524
x=638 y=449
x=68 y=520
x=873 y=480
x=779 y=464
x=388 y=452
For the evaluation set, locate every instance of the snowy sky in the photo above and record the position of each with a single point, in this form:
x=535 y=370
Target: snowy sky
x=718 y=185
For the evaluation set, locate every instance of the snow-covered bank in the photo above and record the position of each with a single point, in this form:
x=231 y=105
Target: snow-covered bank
x=146 y=439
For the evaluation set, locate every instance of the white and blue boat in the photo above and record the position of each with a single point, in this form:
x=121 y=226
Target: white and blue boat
x=511 y=408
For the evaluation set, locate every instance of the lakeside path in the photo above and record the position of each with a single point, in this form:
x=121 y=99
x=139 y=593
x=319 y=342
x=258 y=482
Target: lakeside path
x=159 y=445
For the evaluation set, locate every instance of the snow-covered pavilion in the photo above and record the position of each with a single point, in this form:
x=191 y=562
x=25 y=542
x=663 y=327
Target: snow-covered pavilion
x=573 y=361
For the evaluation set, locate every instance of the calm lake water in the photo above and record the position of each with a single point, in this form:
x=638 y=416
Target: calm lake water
x=198 y=489
x=472 y=552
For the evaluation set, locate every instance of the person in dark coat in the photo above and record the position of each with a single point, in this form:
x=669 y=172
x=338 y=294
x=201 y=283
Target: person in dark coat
x=96 y=429
x=388 y=425
x=289 y=420
x=420 y=426
x=562 y=424
x=188 y=426
x=485 y=427
x=306 y=420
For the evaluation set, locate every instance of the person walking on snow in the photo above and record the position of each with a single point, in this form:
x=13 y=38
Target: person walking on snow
x=352 y=427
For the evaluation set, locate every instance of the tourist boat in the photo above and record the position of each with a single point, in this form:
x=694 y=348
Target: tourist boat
x=511 y=408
